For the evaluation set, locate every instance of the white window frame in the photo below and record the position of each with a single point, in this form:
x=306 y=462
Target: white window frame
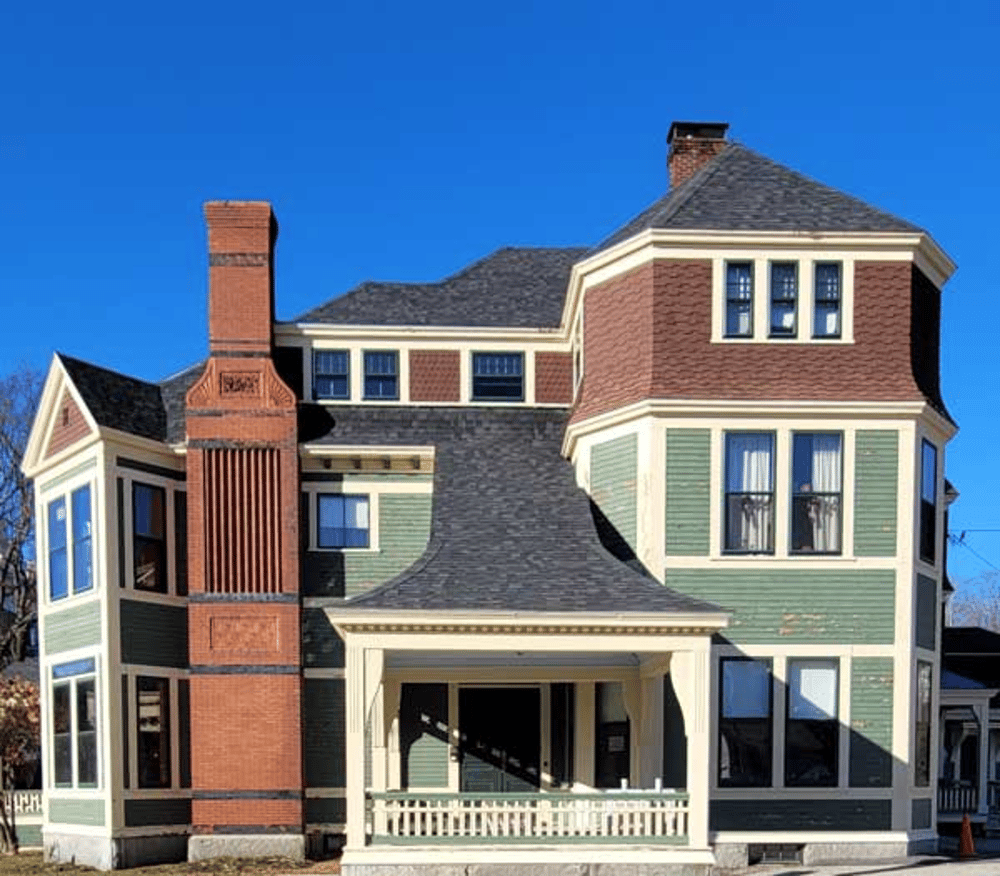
x=71 y=680
x=315 y=489
x=66 y=496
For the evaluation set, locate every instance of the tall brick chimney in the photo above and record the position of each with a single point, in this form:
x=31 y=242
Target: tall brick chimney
x=243 y=604
x=692 y=145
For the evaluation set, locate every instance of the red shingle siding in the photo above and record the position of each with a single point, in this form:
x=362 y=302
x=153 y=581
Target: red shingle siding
x=435 y=376
x=554 y=378
x=648 y=336
x=70 y=426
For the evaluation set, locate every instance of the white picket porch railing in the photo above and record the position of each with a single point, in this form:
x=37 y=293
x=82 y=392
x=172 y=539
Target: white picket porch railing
x=26 y=803
x=631 y=817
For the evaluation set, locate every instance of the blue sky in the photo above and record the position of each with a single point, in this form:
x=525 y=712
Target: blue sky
x=401 y=141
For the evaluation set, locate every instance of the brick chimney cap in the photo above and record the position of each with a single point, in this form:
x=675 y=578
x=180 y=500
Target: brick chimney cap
x=697 y=131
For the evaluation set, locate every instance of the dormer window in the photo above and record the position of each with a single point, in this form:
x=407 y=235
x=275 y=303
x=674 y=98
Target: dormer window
x=332 y=374
x=382 y=375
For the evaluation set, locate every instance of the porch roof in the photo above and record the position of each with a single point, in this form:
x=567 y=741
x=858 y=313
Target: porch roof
x=510 y=529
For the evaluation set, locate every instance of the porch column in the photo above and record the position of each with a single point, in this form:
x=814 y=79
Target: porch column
x=983 y=717
x=651 y=723
x=689 y=671
x=364 y=677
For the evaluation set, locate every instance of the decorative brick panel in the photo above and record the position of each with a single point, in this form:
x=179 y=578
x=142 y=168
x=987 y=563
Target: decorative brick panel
x=262 y=813
x=70 y=426
x=243 y=633
x=554 y=378
x=435 y=376
x=648 y=336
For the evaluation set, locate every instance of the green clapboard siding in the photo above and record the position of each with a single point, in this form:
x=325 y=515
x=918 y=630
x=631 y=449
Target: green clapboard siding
x=74 y=627
x=871 y=722
x=927 y=613
x=323 y=707
x=321 y=646
x=326 y=810
x=141 y=813
x=875 y=479
x=920 y=814
x=404 y=527
x=785 y=815
x=29 y=836
x=154 y=635
x=76 y=811
x=423 y=735
x=797 y=606
x=688 y=496
x=613 y=473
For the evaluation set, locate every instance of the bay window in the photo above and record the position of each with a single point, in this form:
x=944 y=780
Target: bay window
x=74 y=725
x=928 y=502
x=69 y=544
x=812 y=731
x=745 y=723
x=816 y=493
x=149 y=537
x=749 y=503
x=153 y=731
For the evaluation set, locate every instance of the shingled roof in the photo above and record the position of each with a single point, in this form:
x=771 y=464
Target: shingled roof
x=510 y=529
x=740 y=190
x=514 y=287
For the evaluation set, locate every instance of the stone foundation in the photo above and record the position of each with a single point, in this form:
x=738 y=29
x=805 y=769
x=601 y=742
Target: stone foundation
x=536 y=869
x=105 y=853
x=246 y=845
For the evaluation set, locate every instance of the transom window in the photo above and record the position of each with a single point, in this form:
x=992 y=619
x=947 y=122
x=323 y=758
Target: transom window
x=332 y=374
x=382 y=374
x=827 y=300
x=784 y=296
x=816 y=493
x=342 y=521
x=812 y=731
x=739 y=299
x=749 y=502
x=70 y=544
x=745 y=723
x=497 y=376
x=149 y=537
x=74 y=725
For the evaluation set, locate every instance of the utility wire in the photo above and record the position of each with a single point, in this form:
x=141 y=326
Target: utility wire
x=959 y=541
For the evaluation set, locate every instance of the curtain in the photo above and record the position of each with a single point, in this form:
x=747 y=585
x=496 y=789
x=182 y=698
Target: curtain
x=824 y=510
x=749 y=476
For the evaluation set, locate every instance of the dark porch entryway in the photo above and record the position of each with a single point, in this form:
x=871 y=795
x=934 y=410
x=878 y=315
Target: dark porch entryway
x=500 y=739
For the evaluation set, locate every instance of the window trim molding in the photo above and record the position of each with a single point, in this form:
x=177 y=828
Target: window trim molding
x=75 y=672
x=395 y=351
x=314 y=489
x=43 y=548
x=314 y=535
x=314 y=374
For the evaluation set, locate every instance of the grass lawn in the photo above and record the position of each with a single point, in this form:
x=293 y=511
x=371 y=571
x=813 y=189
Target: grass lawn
x=31 y=864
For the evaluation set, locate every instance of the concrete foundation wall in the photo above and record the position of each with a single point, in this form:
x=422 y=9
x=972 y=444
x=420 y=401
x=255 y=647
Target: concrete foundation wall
x=246 y=845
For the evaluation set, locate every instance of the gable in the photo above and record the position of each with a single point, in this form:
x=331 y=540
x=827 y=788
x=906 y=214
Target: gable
x=69 y=425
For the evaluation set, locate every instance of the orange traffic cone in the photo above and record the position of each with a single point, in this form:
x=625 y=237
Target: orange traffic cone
x=966 y=849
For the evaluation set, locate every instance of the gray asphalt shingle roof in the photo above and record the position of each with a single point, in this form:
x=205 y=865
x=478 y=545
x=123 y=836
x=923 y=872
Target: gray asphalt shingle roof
x=514 y=287
x=510 y=529
x=739 y=190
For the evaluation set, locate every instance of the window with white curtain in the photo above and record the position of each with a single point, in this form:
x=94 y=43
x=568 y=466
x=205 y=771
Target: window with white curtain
x=749 y=508
x=817 y=493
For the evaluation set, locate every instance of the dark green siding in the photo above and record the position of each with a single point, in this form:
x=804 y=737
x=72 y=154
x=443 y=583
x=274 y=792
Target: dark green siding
x=871 y=722
x=920 y=814
x=153 y=634
x=326 y=810
x=140 y=813
x=62 y=811
x=423 y=735
x=688 y=496
x=784 y=815
x=321 y=646
x=927 y=613
x=797 y=606
x=323 y=707
x=29 y=836
x=613 y=473
x=875 y=481
x=404 y=527
x=74 y=627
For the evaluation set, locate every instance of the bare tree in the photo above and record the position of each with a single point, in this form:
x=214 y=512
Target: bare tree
x=19 y=393
x=976 y=602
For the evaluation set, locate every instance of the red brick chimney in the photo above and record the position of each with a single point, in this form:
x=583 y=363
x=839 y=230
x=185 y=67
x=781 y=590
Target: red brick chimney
x=692 y=145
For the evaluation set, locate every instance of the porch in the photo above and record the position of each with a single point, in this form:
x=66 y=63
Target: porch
x=527 y=743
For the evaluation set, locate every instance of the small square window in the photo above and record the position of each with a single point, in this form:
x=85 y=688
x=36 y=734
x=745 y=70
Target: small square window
x=331 y=374
x=827 y=297
x=497 y=376
x=342 y=521
x=382 y=375
x=784 y=296
x=739 y=299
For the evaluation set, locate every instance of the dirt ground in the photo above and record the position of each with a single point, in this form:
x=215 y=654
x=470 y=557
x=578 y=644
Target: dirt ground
x=31 y=863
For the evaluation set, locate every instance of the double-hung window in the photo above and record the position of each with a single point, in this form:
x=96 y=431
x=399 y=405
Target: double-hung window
x=739 y=299
x=827 y=300
x=74 y=725
x=497 y=376
x=812 y=730
x=816 y=492
x=382 y=374
x=70 y=544
x=928 y=502
x=745 y=723
x=749 y=503
x=342 y=521
x=153 y=731
x=149 y=537
x=332 y=374
x=784 y=298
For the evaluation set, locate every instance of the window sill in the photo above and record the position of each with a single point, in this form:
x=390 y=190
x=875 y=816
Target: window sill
x=343 y=550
